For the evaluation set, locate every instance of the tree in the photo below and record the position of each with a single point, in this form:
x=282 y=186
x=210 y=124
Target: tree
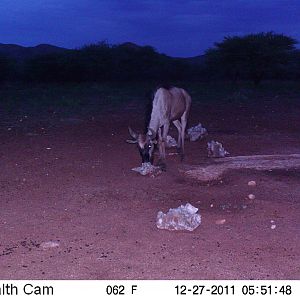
x=96 y=61
x=251 y=56
x=7 y=68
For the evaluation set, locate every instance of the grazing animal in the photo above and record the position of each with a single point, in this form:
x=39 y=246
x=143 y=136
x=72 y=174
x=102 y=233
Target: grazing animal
x=169 y=105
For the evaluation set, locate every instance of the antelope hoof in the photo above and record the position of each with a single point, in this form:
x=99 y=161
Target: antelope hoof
x=162 y=165
x=181 y=156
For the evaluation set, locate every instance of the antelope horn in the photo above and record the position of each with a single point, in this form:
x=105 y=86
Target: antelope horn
x=131 y=141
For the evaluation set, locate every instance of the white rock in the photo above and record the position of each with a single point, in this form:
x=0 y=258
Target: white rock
x=49 y=244
x=184 y=217
x=216 y=149
x=196 y=132
x=146 y=169
x=171 y=142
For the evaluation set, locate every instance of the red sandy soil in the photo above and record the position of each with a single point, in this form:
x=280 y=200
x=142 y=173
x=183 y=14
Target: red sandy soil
x=81 y=193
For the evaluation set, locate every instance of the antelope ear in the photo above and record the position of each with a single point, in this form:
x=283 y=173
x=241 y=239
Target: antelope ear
x=131 y=141
x=133 y=133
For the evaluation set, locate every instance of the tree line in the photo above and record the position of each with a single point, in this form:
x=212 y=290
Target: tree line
x=252 y=57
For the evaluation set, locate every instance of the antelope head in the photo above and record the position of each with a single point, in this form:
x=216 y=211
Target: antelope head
x=145 y=144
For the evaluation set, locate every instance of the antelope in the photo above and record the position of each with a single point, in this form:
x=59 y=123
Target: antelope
x=169 y=105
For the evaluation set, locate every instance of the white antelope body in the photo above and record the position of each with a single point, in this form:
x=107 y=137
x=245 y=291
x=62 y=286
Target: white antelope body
x=169 y=105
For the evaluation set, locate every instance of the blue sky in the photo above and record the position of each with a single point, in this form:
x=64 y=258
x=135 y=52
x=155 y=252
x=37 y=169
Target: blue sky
x=178 y=28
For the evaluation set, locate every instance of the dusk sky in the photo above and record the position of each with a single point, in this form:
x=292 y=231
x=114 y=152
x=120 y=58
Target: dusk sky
x=178 y=28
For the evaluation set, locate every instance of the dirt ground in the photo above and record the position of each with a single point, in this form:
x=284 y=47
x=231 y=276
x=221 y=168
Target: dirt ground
x=72 y=184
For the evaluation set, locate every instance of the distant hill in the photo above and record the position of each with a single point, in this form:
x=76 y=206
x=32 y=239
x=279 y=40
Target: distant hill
x=194 y=60
x=21 y=53
x=130 y=45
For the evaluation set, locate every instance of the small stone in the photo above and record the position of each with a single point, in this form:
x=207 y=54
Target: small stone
x=220 y=221
x=251 y=196
x=172 y=153
x=252 y=183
